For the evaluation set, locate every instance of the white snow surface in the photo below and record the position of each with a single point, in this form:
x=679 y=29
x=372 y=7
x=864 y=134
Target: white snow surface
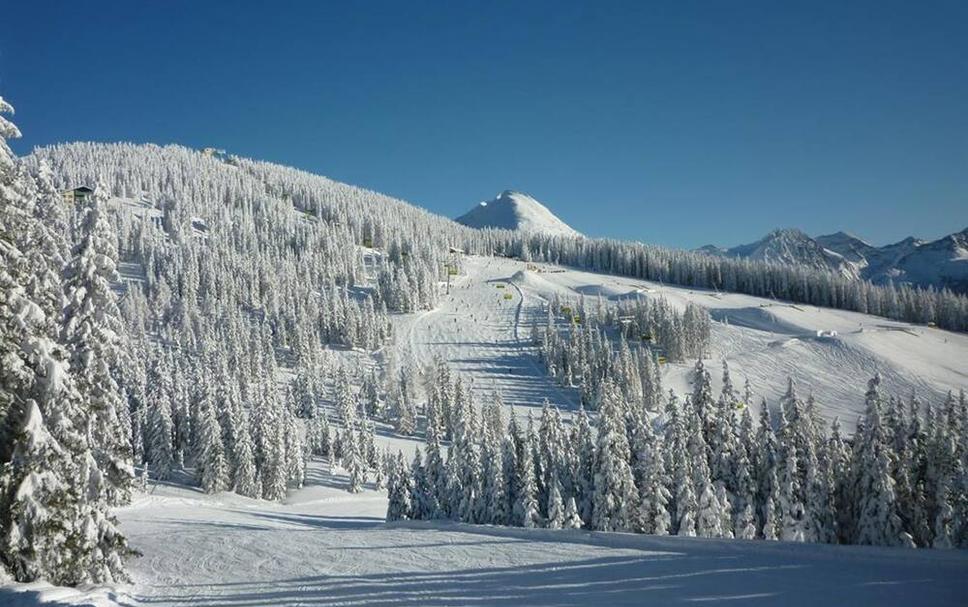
x=512 y=210
x=324 y=546
x=487 y=339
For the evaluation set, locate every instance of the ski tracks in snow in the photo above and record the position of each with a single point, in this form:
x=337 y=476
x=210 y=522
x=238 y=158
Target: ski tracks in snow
x=478 y=332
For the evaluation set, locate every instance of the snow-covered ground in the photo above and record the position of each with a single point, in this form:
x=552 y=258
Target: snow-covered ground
x=484 y=336
x=324 y=546
x=487 y=338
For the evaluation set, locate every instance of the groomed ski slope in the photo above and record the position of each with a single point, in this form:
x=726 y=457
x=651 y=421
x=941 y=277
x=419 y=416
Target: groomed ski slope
x=487 y=338
x=324 y=546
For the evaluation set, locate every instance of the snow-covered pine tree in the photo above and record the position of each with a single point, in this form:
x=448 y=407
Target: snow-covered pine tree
x=697 y=452
x=399 y=506
x=744 y=495
x=380 y=473
x=556 y=508
x=269 y=434
x=354 y=458
x=245 y=480
x=772 y=517
x=878 y=522
x=343 y=399
x=405 y=410
x=53 y=498
x=494 y=483
x=725 y=509
x=572 y=519
x=702 y=399
x=93 y=333
x=510 y=447
x=839 y=462
x=434 y=468
x=944 y=522
x=38 y=505
x=709 y=523
x=766 y=473
x=655 y=496
x=36 y=497
x=584 y=474
x=370 y=395
x=913 y=502
x=793 y=518
x=211 y=463
x=525 y=509
x=471 y=493
x=745 y=523
x=615 y=501
x=687 y=507
x=453 y=487
x=161 y=457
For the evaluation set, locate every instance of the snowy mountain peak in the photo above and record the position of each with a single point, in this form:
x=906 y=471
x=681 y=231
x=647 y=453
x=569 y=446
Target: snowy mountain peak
x=852 y=248
x=792 y=246
x=845 y=238
x=512 y=210
x=940 y=263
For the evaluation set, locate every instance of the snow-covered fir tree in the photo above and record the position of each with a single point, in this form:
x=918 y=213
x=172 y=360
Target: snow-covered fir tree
x=93 y=332
x=615 y=498
x=54 y=494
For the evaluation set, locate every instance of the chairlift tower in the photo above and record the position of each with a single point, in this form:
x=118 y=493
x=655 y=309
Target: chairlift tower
x=452 y=265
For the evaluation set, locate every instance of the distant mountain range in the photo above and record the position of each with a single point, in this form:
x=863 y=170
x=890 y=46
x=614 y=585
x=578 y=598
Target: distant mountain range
x=512 y=210
x=938 y=263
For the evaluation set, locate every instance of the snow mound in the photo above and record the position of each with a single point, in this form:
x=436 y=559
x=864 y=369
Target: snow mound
x=523 y=278
x=526 y=278
x=758 y=319
x=516 y=211
x=606 y=291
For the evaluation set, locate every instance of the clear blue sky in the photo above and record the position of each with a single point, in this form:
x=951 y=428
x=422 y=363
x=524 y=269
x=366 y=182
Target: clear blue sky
x=679 y=123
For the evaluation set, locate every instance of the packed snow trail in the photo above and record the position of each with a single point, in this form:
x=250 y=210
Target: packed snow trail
x=831 y=353
x=485 y=337
x=324 y=546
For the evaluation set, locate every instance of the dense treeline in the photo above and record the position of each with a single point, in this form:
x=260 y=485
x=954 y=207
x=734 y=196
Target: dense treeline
x=416 y=242
x=576 y=345
x=702 y=467
x=800 y=284
x=244 y=270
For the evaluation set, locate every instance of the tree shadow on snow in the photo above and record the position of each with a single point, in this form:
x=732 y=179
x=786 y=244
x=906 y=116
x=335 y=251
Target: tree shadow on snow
x=694 y=573
x=29 y=598
x=323 y=522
